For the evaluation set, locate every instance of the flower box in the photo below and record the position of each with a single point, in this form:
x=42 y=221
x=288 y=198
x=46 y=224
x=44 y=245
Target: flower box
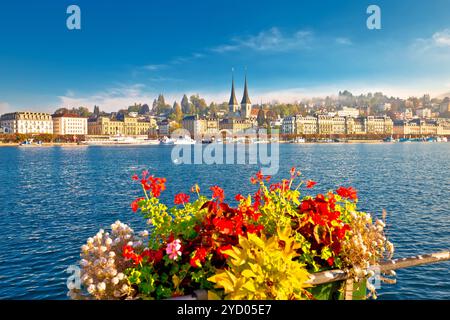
x=265 y=247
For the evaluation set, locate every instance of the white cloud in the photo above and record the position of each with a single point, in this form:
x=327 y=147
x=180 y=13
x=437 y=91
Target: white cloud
x=343 y=41
x=154 y=67
x=442 y=38
x=268 y=40
x=439 y=40
x=109 y=100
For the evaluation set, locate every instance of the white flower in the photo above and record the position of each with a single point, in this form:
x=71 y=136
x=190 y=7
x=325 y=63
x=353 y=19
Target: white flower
x=115 y=281
x=112 y=254
x=84 y=248
x=90 y=240
x=84 y=262
x=113 y=272
x=144 y=233
x=108 y=241
x=125 y=287
x=91 y=289
x=103 y=249
x=101 y=286
x=120 y=276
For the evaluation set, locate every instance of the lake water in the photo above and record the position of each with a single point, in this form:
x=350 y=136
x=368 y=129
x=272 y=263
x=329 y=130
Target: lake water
x=52 y=199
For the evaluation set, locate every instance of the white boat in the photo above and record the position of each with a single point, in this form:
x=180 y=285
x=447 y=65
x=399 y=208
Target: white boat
x=30 y=143
x=167 y=141
x=300 y=140
x=441 y=139
x=184 y=140
x=119 y=140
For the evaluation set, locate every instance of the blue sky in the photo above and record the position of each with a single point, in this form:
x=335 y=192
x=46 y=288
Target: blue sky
x=129 y=51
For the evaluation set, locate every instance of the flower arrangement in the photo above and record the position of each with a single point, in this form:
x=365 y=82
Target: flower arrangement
x=265 y=247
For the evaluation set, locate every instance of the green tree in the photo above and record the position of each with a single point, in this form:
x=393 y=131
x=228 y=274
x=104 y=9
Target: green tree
x=199 y=105
x=177 y=113
x=185 y=105
x=261 y=118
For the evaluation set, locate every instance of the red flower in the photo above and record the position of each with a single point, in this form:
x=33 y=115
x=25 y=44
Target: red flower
x=239 y=197
x=218 y=193
x=153 y=256
x=259 y=176
x=342 y=231
x=310 y=184
x=127 y=251
x=155 y=185
x=225 y=226
x=135 y=204
x=198 y=257
x=349 y=193
x=181 y=198
x=135 y=177
x=330 y=261
x=292 y=171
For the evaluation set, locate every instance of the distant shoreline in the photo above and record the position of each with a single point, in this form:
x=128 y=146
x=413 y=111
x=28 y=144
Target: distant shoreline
x=61 y=144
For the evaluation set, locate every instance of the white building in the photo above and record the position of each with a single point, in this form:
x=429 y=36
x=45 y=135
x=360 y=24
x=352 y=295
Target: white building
x=288 y=125
x=27 y=122
x=348 y=112
x=423 y=113
x=70 y=124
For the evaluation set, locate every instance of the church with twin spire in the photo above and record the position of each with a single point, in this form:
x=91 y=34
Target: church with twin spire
x=242 y=111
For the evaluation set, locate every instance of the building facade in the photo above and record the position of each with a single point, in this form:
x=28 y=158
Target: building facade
x=335 y=125
x=27 y=123
x=70 y=125
x=348 y=112
x=419 y=127
x=129 y=126
x=379 y=125
x=235 y=125
x=201 y=127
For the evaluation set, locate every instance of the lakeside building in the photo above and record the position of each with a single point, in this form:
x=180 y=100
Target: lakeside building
x=68 y=124
x=379 y=125
x=201 y=127
x=416 y=127
x=27 y=122
x=130 y=126
x=328 y=125
x=235 y=125
x=423 y=113
x=299 y=125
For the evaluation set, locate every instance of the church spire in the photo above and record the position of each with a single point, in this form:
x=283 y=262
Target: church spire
x=245 y=98
x=232 y=104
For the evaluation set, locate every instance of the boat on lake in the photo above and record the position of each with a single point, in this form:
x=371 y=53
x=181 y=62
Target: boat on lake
x=119 y=140
x=30 y=143
x=184 y=140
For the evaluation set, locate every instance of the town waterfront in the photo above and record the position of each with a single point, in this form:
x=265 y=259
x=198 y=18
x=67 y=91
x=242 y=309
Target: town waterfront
x=52 y=199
